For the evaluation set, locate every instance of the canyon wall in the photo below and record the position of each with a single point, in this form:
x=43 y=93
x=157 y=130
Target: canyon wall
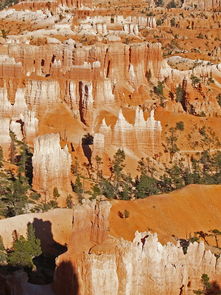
x=84 y=80
x=143 y=137
x=203 y=4
x=98 y=263
x=145 y=266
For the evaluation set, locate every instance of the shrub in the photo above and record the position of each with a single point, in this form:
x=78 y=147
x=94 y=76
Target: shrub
x=159 y=88
x=218 y=98
x=159 y=22
x=7 y=3
x=200 y=36
x=69 y=202
x=35 y=196
x=88 y=139
x=180 y=126
x=180 y=94
x=146 y=186
x=173 y=22
x=124 y=214
x=209 y=288
x=159 y=3
x=56 y=193
x=171 y=4
x=195 y=80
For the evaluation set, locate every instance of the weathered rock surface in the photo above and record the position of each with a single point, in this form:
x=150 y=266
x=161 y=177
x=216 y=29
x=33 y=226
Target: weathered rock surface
x=51 y=165
x=52 y=227
x=144 y=136
x=202 y=4
x=97 y=263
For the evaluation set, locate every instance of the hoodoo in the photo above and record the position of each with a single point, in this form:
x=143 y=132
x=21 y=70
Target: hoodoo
x=110 y=147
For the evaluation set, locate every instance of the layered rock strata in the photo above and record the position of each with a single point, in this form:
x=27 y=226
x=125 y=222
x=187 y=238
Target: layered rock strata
x=144 y=136
x=202 y=4
x=99 y=264
x=51 y=165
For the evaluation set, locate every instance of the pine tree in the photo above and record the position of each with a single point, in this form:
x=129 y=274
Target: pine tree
x=24 y=250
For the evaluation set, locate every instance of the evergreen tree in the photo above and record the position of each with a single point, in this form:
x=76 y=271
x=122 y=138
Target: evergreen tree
x=15 y=195
x=24 y=250
x=78 y=186
x=146 y=186
x=118 y=166
x=172 y=142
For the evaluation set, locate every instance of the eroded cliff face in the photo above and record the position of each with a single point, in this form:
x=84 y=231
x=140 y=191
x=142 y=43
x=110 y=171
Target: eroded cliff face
x=143 y=137
x=98 y=65
x=145 y=266
x=51 y=165
x=202 y=4
x=97 y=263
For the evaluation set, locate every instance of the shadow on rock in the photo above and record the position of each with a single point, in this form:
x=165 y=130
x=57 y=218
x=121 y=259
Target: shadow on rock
x=43 y=231
x=66 y=280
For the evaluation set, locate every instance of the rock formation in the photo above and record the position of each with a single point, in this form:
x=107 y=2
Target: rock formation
x=202 y=4
x=51 y=165
x=51 y=227
x=5 y=138
x=144 y=136
x=125 y=73
x=103 y=264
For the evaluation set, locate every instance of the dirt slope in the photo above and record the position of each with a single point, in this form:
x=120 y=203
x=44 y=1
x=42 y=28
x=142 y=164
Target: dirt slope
x=180 y=213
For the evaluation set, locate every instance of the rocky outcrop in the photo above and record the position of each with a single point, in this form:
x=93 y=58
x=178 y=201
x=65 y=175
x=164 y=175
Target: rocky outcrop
x=145 y=266
x=51 y=165
x=42 y=95
x=100 y=264
x=5 y=139
x=83 y=77
x=90 y=228
x=202 y=4
x=144 y=136
x=51 y=227
x=93 y=228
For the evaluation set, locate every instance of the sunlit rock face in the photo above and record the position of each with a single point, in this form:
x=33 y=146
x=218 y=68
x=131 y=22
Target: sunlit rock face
x=202 y=4
x=144 y=136
x=97 y=263
x=144 y=266
x=90 y=228
x=84 y=78
x=93 y=228
x=16 y=118
x=5 y=138
x=51 y=165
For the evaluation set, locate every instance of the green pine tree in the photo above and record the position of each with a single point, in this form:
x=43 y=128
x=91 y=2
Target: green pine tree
x=24 y=250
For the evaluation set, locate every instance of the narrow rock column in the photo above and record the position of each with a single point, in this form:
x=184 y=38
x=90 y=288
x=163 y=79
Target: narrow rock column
x=51 y=165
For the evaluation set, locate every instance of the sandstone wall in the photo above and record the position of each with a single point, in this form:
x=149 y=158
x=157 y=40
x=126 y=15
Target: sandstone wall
x=97 y=263
x=203 y=4
x=51 y=165
x=54 y=225
x=144 y=136
x=145 y=266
